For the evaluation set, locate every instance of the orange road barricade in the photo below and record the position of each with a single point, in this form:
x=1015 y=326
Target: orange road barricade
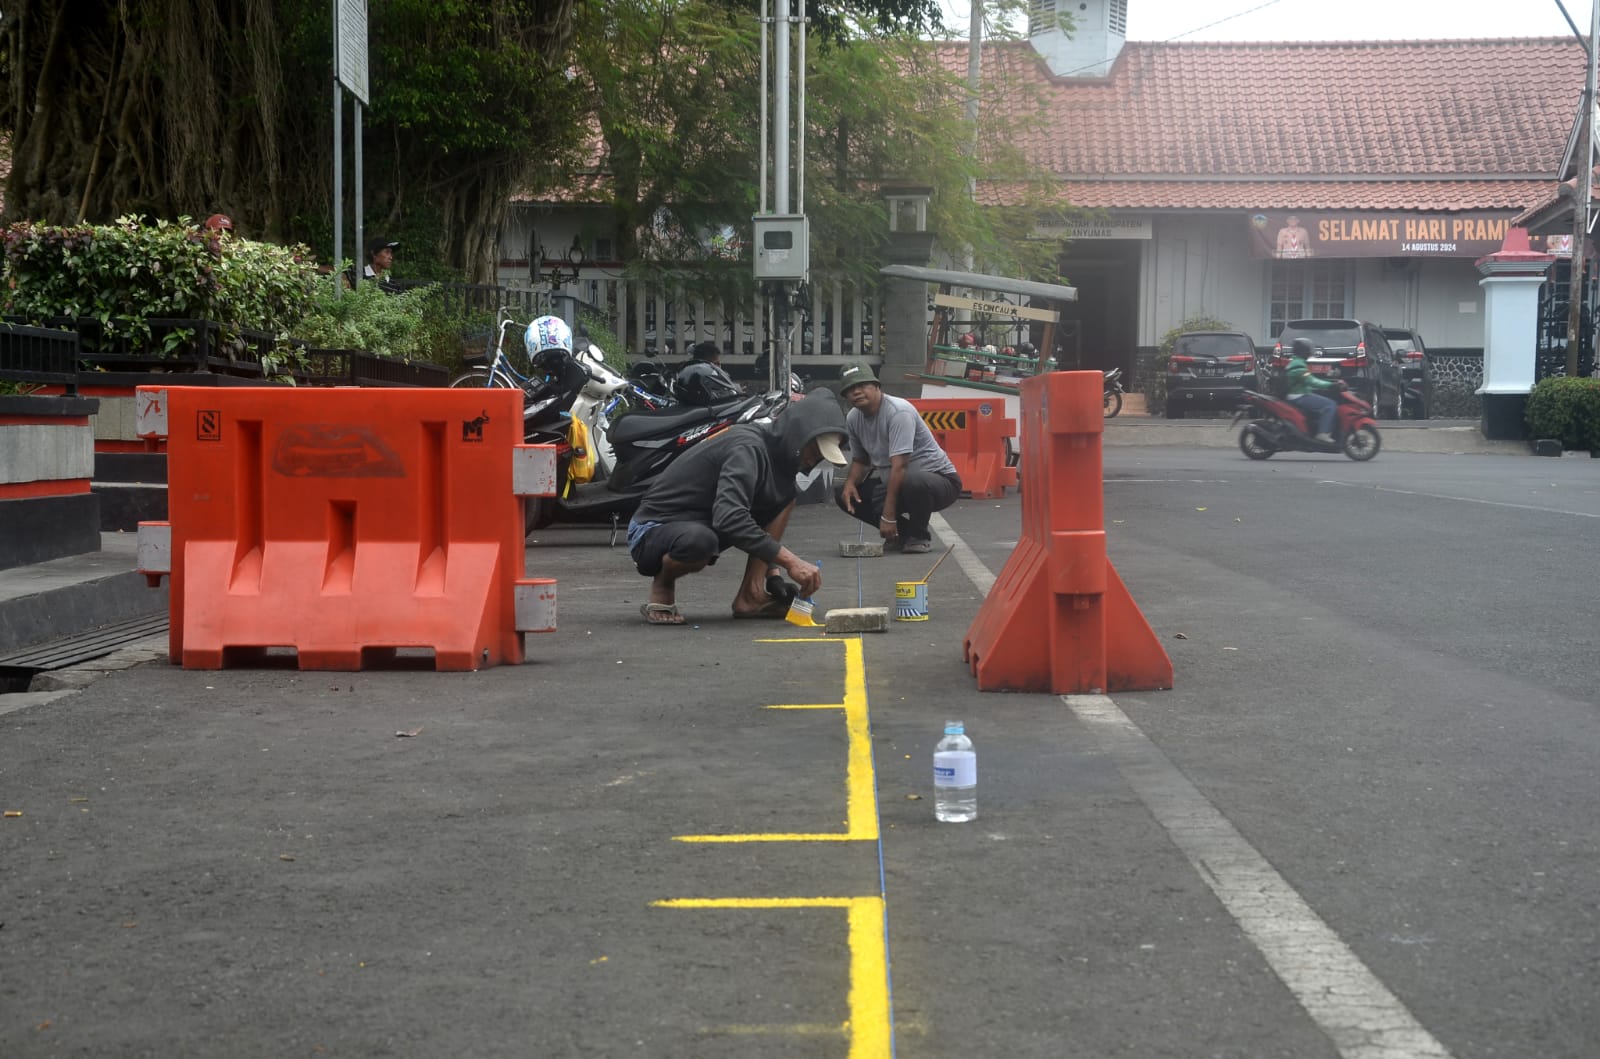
x=1059 y=619
x=346 y=524
x=976 y=435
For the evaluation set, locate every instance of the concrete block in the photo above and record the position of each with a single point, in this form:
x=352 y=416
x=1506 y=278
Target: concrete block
x=861 y=549
x=858 y=619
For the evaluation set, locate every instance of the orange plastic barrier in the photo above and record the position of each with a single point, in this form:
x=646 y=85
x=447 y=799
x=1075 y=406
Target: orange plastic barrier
x=1059 y=619
x=346 y=523
x=974 y=434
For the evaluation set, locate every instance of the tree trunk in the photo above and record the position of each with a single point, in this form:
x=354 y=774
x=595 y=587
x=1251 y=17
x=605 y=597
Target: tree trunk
x=171 y=108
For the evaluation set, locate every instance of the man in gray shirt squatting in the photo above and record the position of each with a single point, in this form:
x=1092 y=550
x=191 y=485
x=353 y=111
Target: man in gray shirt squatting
x=735 y=490
x=899 y=476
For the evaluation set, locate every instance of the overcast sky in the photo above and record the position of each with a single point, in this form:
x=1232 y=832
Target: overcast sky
x=1336 y=19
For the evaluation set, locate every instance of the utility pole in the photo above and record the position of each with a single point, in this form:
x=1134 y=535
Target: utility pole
x=783 y=236
x=974 y=83
x=1580 y=205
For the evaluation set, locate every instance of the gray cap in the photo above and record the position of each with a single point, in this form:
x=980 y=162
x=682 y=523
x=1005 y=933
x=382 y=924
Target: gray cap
x=855 y=373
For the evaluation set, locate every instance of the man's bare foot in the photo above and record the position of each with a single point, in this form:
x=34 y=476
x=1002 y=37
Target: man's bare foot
x=749 y=604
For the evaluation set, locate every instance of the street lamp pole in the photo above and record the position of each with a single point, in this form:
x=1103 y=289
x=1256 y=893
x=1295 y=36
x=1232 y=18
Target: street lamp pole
x=1580 y=205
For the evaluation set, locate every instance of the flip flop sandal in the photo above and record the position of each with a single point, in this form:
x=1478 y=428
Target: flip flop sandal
x=660 y=614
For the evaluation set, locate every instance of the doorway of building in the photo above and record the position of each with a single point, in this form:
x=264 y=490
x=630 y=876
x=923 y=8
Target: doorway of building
x=1100 y=330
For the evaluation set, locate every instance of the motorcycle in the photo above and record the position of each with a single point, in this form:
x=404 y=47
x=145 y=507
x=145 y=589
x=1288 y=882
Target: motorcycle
x=652 y=374
x=1276 y=424
x=604 y=395
x=643 y=443
x=1113 y=394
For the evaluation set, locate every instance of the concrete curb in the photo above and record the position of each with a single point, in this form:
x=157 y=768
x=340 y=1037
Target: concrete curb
x=76 y=593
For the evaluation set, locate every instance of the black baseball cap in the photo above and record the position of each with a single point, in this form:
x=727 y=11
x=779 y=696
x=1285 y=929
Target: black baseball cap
x=381 y=242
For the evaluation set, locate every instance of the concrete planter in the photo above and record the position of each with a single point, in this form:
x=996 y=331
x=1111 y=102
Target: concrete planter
x=46 y=461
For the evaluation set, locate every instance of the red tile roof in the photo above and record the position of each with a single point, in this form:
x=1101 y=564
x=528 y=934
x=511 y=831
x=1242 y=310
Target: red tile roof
x=1465 y=124
x=1285 y=194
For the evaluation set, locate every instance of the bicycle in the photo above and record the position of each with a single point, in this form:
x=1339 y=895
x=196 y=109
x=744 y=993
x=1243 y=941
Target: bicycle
x=498 y=371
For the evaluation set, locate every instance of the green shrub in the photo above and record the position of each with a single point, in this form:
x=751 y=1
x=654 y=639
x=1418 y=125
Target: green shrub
x=594 y=326
x=124 y=273
x=1154 y=383
x=1568 y=409
x=371 y=319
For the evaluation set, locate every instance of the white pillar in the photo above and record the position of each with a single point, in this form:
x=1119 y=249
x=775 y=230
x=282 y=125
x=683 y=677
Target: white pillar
x=1511 y=281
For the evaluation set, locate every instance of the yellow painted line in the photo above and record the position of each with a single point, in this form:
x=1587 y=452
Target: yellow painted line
x=861 y=798
x=869 y=981
x=869 y=961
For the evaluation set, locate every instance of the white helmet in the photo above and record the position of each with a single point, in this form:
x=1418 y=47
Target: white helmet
x=548 y=332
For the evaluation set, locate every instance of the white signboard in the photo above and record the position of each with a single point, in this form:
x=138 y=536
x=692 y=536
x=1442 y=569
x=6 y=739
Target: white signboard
x=350 y=49
x=1133 y=227
x=978 y=305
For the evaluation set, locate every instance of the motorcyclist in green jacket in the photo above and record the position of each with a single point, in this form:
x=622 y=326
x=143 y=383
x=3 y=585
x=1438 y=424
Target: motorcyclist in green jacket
x=1304 y=390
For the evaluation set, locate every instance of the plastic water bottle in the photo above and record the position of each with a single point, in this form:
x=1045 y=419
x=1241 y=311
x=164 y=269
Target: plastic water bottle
x=955 y=776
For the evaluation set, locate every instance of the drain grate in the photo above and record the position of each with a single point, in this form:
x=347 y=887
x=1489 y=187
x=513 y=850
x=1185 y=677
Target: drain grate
x=84 y=647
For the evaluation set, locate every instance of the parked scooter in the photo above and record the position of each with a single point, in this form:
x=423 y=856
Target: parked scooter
x=653 y=374
x=605 y=395
x=1275 y=424
x=1113 y=393
x=644 y=442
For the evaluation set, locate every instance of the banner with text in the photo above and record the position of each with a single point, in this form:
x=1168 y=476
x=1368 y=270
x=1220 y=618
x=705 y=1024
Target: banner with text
x=1400 y=233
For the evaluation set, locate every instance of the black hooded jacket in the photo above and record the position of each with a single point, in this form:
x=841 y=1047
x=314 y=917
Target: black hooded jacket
x=742 y=479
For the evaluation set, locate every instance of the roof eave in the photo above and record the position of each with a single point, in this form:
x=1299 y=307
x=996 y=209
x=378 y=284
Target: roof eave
x=1301 y=178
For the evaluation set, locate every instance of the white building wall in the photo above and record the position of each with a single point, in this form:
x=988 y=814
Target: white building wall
x=1450 y=309
x=1383 y=292
x=1200 y=266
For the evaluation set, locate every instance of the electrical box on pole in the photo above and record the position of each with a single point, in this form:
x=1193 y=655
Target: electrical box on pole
x=783 y=247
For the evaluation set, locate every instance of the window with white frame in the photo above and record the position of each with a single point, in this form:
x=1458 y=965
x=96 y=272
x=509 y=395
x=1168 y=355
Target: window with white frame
x=1307 y=290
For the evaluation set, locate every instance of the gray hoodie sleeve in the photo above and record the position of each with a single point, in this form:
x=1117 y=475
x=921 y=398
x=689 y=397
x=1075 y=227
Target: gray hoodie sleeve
x=736 y=493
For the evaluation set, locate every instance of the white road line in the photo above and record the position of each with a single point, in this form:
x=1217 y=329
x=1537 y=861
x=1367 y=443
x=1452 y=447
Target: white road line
x=965 y=557
x=1466 y=499
x=1345 y=999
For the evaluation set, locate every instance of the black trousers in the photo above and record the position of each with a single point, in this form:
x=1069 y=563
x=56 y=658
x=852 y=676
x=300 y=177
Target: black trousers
x=921 y=494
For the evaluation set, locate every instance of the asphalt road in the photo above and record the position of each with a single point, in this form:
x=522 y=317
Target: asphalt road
x=1362 y=823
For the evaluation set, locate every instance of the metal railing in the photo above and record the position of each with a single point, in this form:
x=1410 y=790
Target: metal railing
x=39 y=355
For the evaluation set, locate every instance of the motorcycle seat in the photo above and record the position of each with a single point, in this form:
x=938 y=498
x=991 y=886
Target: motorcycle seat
x=656 y=422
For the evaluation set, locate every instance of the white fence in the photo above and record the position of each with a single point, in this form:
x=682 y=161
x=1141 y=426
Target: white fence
x=840 y=320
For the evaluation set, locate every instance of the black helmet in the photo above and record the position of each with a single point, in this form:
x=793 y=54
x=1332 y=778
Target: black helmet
x=557 y=371
x=702 y=383
x=1302 y=347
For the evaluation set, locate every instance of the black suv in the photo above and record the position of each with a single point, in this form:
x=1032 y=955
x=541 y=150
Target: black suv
x=1352 y=350
x=1209 y=371
x=1416 y=369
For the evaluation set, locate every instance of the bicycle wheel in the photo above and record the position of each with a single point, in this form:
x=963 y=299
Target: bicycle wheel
x=477 y=378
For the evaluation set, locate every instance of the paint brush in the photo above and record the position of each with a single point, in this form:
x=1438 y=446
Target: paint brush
x=936 y=563
x=800 y=609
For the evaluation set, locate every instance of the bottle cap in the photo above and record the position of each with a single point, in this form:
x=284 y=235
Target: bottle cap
x=954 y=728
